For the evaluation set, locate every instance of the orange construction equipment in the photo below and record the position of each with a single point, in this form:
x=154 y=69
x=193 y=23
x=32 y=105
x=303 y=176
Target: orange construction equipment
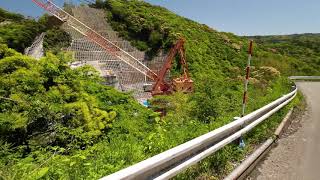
x=183 y=83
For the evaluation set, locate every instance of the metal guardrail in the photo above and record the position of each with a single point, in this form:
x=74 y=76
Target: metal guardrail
x=304 y=77
x=248 y=164
x=169 y=163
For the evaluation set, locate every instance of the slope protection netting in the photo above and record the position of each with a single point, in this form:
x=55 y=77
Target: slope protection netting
x=36 y=49
x=116 y=72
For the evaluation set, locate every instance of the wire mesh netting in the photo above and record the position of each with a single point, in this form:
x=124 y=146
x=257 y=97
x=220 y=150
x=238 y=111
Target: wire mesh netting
x=115 y=71
x=36 y=49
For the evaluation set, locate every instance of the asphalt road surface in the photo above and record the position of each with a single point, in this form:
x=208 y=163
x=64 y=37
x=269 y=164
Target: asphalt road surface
x=297 y=154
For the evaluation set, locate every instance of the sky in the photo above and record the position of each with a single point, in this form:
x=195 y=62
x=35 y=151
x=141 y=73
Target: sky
x=242 y=17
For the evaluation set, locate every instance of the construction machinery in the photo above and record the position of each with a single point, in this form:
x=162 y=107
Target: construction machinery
x=183 y=83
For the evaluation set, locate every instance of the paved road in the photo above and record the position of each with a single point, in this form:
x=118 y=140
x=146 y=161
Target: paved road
x=297 y=156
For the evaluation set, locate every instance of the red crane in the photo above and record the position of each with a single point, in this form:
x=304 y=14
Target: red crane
x=181 y=84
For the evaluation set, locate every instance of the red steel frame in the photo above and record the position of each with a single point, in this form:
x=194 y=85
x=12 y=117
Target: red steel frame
x=161 y=87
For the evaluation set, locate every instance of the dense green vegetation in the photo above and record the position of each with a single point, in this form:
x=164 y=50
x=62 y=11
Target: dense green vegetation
x=58 y=122
x=49 y=109
x=152 y=28
x=56 y=38
x=5 y=16
x=62 y=123
x=302 y=50
x=18 y=32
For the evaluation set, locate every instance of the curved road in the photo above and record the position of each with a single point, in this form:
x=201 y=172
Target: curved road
x=297 y=156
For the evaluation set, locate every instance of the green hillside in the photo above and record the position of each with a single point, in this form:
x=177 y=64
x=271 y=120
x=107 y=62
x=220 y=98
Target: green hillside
x=304 y=48
x=57 y=122
x=19 y=32
x=8 y=16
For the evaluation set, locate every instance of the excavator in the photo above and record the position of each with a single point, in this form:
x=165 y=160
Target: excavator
x=181 y=84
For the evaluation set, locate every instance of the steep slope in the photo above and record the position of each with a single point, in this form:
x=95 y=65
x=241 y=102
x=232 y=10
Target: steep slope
x=123 y=77
x=150 y=28
x=8 y=16
x=17 y=31
x=214 y=57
